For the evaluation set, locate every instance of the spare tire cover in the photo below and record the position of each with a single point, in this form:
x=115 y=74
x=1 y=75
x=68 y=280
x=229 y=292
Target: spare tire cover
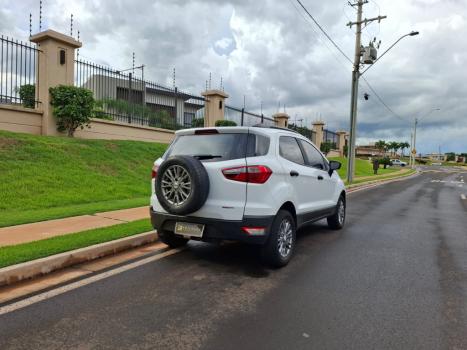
x=182 y=185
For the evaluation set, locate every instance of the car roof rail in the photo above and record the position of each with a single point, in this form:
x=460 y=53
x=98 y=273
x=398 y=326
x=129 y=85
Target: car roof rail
x=274 y=127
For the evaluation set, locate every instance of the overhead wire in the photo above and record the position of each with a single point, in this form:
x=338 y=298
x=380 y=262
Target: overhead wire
x=343 y=53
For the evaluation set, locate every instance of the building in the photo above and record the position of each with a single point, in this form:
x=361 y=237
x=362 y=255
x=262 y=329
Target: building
x=181 y=106
x=368 y=151
x=438 y=157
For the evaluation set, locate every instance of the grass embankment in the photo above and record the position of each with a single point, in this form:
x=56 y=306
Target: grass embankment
x=16 y=254
x=363 y=168
x=46 y=177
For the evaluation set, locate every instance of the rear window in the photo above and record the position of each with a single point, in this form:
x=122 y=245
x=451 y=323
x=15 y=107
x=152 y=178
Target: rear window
x=212 y=147
x=217 y=147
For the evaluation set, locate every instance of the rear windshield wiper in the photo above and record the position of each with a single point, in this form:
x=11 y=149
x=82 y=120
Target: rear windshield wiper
x=206 y=156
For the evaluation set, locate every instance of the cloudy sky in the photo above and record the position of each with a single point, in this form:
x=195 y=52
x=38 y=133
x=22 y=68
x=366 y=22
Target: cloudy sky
x=269 y=52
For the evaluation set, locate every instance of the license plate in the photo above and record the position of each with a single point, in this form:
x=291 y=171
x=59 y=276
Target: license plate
x=189 y=229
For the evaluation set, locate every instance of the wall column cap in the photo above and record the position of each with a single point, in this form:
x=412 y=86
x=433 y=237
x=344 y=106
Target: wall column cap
x=214 y=92
x=52 y=34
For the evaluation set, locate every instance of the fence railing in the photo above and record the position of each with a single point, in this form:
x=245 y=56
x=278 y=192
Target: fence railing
x=330 y=136
x=18 y=80
x=310 y=134
x=128 y=98
x=244 y=118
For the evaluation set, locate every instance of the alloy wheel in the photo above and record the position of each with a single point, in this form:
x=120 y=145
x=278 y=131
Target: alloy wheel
x=285 y=238
x=176 y=185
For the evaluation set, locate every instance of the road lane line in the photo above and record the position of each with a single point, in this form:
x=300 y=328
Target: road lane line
x=84 y=282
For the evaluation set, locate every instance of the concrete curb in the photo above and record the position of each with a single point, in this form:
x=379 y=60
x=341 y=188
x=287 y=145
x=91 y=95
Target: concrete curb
x=376 y=183
x=38 y=267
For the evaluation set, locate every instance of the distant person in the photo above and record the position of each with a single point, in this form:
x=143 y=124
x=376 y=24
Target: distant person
x=375 y=166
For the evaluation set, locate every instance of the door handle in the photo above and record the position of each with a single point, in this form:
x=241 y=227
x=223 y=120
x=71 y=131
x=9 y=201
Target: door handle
x=294 y=173
x=320 y=177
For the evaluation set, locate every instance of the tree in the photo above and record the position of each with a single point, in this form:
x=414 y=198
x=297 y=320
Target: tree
x=225 y=122
x=403 y=146
x=27 y=95
x=72 y=106
x=393 y=146
x=326 y=146
x=450 y=157
x=381 y=146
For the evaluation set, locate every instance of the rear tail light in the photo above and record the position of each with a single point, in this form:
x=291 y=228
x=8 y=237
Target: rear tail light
x=154 y=171
x=257 y=174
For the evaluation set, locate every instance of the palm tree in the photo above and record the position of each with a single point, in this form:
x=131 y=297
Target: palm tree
x=394 y=146
x=381 y=145
x=403 y=146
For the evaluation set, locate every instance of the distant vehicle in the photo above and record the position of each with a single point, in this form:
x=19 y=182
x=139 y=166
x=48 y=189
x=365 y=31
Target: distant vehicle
x=436 y=163
x=398 y=162
x=250 y=184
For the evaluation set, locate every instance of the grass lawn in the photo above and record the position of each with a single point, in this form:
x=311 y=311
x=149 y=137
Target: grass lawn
x=47 y=177
x=362 y=168
x=16 y=254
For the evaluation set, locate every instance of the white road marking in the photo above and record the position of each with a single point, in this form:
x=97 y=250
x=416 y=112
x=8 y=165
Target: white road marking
x=84 y=282
x=463 y=197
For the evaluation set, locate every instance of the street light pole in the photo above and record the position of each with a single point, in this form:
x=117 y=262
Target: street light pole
x=414 y=148
x=355 y=77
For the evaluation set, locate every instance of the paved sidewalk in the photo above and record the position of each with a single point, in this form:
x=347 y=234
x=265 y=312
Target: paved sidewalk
x=46 y=229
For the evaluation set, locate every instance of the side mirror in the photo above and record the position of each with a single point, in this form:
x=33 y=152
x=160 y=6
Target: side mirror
x=334 y=165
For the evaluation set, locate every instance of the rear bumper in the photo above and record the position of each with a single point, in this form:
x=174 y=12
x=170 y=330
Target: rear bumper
x=216 y=229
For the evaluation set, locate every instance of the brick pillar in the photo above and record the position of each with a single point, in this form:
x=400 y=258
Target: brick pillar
x=55 y=66
x=318 y=128
x=214 y=106
x=341 y=142
x=281 y=119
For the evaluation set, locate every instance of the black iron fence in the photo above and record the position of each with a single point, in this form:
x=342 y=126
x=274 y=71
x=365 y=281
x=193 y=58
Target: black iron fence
x=18 y=80
x=244 y=118
x=128 y=98
x=331 y=137
x=304 y=131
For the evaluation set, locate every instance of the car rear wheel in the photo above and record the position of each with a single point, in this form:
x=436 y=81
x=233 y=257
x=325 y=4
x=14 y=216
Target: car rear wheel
x=337 y=220
x=171 y=239
x=280 y=246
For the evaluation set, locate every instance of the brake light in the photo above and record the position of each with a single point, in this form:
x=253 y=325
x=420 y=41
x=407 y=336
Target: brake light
x=154 y=171
x=206 y=132
x=257 y=174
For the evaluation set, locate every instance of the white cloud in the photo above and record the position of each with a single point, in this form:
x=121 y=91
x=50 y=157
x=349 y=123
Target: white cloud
x=267 y=51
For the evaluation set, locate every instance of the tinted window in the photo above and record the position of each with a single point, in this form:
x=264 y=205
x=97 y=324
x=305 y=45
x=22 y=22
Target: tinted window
x=313 y=157
x=289 y=149
x=258 y=145
x=222 y=146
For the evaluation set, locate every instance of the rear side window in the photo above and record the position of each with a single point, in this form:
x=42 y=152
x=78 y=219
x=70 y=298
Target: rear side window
x=290 y=150
x=211 y=147
x=258 y=145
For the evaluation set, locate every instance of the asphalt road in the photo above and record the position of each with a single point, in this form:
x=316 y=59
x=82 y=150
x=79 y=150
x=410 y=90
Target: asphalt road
x=394 y=278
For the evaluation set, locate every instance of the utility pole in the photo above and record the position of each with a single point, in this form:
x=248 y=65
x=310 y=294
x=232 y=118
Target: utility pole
x=414 y=148
x=355 y=77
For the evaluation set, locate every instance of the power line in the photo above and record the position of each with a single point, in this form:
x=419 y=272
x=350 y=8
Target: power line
x=318 y=37
x=382 y=101
x=379 y=98
x=324 y=32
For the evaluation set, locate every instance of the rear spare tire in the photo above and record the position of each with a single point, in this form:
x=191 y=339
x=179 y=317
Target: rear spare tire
x=182 y=185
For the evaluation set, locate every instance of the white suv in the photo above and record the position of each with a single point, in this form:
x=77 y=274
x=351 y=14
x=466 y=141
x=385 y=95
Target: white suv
x=249 y=184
